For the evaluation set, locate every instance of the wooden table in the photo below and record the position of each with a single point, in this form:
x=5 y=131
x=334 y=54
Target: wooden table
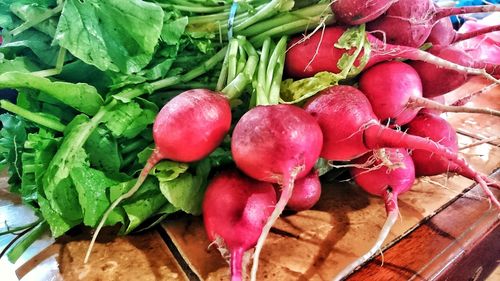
x=447 y=231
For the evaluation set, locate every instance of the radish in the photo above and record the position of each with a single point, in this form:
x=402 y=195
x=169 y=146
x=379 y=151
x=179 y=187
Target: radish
x=394 y=90
x=356 y=12
x=409 y=22
x=188 y=128
x=387 y=173
x=360 y=131
x=435 y=128
x=444 y=34
x=318 y=52
x=235 y=209
x=306 y=192
x=277 y=144
x=438 y=81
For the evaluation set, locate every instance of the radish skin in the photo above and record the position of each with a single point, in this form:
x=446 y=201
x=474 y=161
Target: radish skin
x=188 y=128
x=277 y=144
x=235 y=208
x=361 y=132
x=306 y=192
x=355 y=12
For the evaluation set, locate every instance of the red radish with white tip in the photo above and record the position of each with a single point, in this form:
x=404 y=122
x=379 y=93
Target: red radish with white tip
x=277 y=144
x=394 y=90
x=235 y=209
x=360 y=131
x=317 y=53
x=188 y=128
x=386 y=173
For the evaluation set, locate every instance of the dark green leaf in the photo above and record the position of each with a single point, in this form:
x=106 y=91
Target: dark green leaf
x=111 y=34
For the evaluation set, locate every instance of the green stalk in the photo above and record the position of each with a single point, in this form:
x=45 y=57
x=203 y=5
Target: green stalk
x=28 y=24
x=26 y=11
x=232 y=59
x=278 y=66
x=285 y=18
x=290 y=28
x=267 y=11
x=242 y=59
x=19 y=228
x=223 y=73
x=15 y=252
x=58 y=68
x=234 y=89
x=37 y=118
x=261 y=82
x=186 y=6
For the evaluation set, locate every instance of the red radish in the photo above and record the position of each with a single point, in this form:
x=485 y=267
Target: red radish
x=188 y=128
x=306 y=57
x=444 y=34
x=235 y=209
x=394 y=90
x=409 y=22
x=437 y=81
x=278 y=144
x=360 y=131
x=439 y=130
x=387 y=173
x=306 y=192
x=356 y=12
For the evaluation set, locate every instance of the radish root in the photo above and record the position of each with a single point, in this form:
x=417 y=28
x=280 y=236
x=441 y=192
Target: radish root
x=392 y=216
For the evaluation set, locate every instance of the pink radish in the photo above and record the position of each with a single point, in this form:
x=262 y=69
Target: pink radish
x=356 y=12
x=484 y=47
x=444 y=34
x=188 y=128
x=360 y=131
x=394 y=90
x=437 y=81
x=409 y=22
x=306 y=192
x=235 y=209
x=387 y=173
x=317 y=53
x=278 y=144
x=439 y=130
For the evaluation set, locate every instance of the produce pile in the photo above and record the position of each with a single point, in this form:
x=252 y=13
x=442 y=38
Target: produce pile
x=128 y=111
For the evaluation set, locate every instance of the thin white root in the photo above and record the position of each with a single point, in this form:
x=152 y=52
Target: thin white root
x=280 y=206
x=390 y=221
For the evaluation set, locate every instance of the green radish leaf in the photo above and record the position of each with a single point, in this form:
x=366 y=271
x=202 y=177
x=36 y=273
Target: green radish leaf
x=114 y=35
x=353 y=38
x=82 y=97
x=300 y=90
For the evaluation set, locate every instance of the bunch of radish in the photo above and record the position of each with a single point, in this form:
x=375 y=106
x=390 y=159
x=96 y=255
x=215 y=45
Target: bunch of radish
x=279 y=144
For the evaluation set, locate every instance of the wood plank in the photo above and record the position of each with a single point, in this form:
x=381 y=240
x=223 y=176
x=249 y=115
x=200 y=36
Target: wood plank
x=318 y=243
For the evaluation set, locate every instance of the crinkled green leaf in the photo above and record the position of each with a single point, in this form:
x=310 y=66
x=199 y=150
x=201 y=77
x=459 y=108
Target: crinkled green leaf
x=82 y=97
x=113 y=35
x=92 y=186
x=168 y=170
x=173 y=30
x=99 y=141
x=12 y=137
x=186 y=191
x=353 y=38
x=131 y=118
x=19 y=64
x=299 y=90
x=58 y=224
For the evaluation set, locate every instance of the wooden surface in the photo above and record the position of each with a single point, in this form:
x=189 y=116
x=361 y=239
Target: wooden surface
x=446 y=231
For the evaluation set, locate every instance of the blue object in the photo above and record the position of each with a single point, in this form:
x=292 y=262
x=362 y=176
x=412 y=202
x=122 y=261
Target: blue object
x=232 y=14
x=456 y=19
